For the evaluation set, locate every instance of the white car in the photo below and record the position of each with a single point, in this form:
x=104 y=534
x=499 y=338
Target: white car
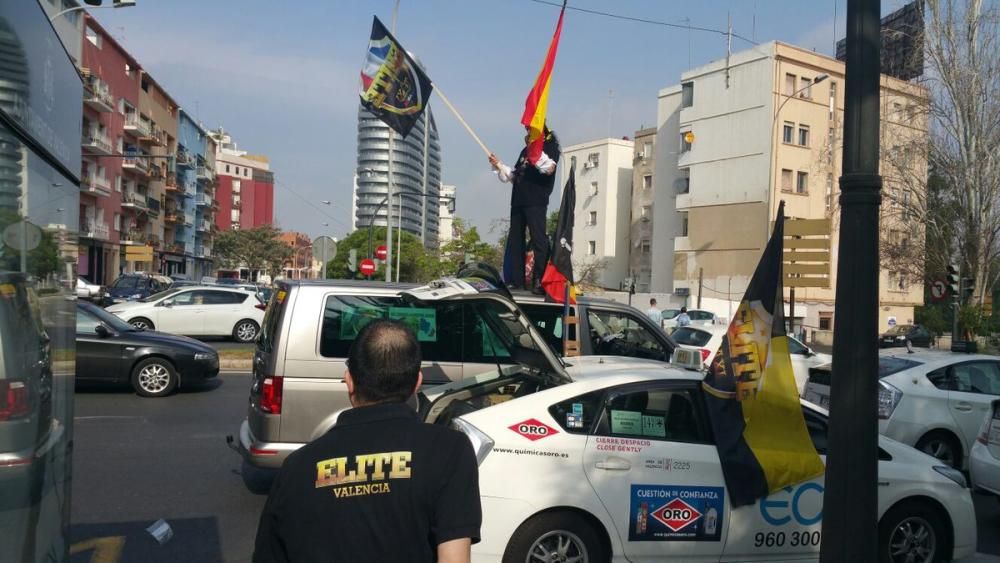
x=197 y=311
x=708 y=339
x=617 y=462
x=933 y=400
x=87 y=290
x=698 y=317
x=984 y=458
x=608 y=457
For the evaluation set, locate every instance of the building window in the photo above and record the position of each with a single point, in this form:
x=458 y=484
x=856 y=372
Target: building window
x=128 y=70
x=118 y=222
x=645 y=247
x=684 y=224
x=647 y=182
x=592 y=218
x=786 y=180
x=829 y=191
x=685 y=145
x=227 y=169
x=788 y=133
x=806 y=88
x=687 y=94
x=789 y=84
x=93 y=37
x=803 y=135
x=118 y=184
x=237 y=169
x=830 y=141
x=647 y=150
x=825 y=320
x=591 y=247
x=593 y=188
x=683 y=182
x=645 y=212
x=802 y=183
x=833 y=98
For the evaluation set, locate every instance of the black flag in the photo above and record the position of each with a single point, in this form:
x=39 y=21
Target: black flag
x=393 y=86
x=558 y=273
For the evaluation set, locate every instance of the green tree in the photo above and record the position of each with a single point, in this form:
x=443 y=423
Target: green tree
x=257 y=249
x=414 y=265
x=469 y=244
x=42 y=260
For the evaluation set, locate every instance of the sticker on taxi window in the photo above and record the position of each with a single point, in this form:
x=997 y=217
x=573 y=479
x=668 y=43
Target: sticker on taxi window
x=626 y=422
x=675 y=513
x=353 y=319
x=422 y=321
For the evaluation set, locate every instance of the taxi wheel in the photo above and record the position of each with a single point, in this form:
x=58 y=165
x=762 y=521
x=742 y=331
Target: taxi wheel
x=913 y=532
x=556 y=537
x=942 y=445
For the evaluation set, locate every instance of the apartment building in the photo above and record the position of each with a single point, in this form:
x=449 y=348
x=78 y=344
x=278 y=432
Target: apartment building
x=192 y=209
x=641 y=242
x=244 y=187
x=300 y=266
x=446 y=215
x=603 y=208
x=733 y=140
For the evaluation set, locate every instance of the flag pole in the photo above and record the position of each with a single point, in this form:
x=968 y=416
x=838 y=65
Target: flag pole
x=461 y=119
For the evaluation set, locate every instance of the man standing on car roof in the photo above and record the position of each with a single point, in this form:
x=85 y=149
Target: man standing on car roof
x=380 y=485
x=529 y=202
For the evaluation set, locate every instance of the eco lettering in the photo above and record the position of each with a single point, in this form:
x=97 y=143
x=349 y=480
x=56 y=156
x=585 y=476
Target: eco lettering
x=339 y=471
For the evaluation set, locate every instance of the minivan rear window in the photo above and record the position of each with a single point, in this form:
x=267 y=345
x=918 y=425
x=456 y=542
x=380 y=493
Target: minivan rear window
x=272 y=318
x=691 y=336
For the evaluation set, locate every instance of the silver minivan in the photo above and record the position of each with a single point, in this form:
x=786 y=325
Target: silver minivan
x=300 y=356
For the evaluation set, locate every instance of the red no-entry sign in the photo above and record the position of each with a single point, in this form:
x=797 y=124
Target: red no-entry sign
x=381 y=252
x=367 y=267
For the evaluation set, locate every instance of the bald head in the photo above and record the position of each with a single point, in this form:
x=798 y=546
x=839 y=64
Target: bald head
x=384 y=362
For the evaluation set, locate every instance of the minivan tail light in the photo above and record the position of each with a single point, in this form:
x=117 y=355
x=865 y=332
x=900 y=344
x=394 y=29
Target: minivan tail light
x=14 y=400
x=270 y=394
x=705 y=352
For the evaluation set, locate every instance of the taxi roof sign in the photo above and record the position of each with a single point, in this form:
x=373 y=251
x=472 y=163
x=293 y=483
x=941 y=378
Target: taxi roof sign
x=686 y=358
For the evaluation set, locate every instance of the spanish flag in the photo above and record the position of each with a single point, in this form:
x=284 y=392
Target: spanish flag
x=752 y=400
x=557 y=279
x=538 y=99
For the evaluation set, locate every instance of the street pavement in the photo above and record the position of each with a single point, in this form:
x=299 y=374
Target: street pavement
x=138 y=460
x=223 y=343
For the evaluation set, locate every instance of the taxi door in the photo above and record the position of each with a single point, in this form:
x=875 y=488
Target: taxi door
x=655 y=470
x=785 y=525
x=974 y=387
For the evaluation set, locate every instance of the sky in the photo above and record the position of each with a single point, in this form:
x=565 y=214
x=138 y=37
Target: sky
x=282 y=77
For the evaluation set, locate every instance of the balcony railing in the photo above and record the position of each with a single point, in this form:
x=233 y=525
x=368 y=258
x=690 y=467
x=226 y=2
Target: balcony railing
x=97 y=94
x=136 y=162
x=171 y=184
x=97 y=185
x=189 y=220
x=137 y=125
x=134 y=200
x=89 y=228
x=173 y=217
x=205 y=173
x=96 y=142
x=204 y=226
x=135 y=237
x=153 y=205
x=184 y=158
x=203 y=200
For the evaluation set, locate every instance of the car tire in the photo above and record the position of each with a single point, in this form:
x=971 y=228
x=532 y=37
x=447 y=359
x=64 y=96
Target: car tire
x=551 y=532
x=942 y=445
x=142 y=323
x=246 y=331
x=914 y=530
x=154 y=377
x=257 y=480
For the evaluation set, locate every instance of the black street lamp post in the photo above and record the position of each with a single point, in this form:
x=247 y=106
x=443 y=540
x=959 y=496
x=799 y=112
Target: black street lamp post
x=850 y=511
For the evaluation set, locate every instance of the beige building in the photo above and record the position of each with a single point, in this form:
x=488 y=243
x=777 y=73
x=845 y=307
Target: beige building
x=733 y=141
x=641 y=242
x=154 y=127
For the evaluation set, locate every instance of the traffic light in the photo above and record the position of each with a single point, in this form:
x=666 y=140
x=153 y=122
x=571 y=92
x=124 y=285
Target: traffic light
x=968 y=288
x=352 y=260
x=953 y=283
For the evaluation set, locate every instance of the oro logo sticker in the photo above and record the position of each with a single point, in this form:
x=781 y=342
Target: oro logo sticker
x=677 y=514
x=533 y=429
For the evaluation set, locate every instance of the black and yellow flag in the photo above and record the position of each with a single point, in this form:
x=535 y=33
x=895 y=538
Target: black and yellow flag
x=393 y=86
x=752 y=398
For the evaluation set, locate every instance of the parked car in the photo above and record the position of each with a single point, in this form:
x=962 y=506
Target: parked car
x=934 y=401
x=708 y=339
x=28 y=430
x=615 y=459
x=197 y=311
x=668 y=314
x=612 y=328
x=984 y=458
x=89 y=291
x=132 y=287
x=699 y=317
x=456 y=343
x=899 y=335
x=109 y=350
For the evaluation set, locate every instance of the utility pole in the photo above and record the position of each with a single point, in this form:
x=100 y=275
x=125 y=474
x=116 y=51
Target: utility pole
x=701 y=283
x=850 y=511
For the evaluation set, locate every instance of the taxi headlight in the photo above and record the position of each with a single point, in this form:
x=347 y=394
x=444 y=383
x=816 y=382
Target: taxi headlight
x=953 y=474
x=481 y=443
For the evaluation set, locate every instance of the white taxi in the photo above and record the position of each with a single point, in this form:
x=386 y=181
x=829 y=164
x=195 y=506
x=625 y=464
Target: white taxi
x=618 y=463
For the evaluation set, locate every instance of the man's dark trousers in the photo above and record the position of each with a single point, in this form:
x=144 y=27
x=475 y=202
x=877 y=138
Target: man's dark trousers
x=532 y=217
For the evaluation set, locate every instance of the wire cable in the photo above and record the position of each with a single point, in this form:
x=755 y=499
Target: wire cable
x=644 y=20
x=312 y=204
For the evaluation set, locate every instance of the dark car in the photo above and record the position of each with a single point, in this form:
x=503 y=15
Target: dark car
x=27 y=427
x=899 y=335
x=132 y=287
x=155 y=363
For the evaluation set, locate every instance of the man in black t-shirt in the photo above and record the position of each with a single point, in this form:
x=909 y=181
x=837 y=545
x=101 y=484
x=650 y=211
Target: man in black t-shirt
x=380 y=485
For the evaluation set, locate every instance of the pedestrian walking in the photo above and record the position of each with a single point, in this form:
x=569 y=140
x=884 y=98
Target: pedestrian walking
x=654 y=312
x=529 y=202
x=380 y=486
x=683 y=319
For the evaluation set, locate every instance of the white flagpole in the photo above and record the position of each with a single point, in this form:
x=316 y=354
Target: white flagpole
x=461 y=119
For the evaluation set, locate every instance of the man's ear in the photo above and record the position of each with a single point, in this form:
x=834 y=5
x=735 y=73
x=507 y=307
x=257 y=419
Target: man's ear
x=420 y=381
x=349 y=381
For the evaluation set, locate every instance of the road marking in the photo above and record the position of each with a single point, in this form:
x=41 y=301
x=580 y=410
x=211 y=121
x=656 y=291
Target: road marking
x=106 y=550
x=100 y=417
